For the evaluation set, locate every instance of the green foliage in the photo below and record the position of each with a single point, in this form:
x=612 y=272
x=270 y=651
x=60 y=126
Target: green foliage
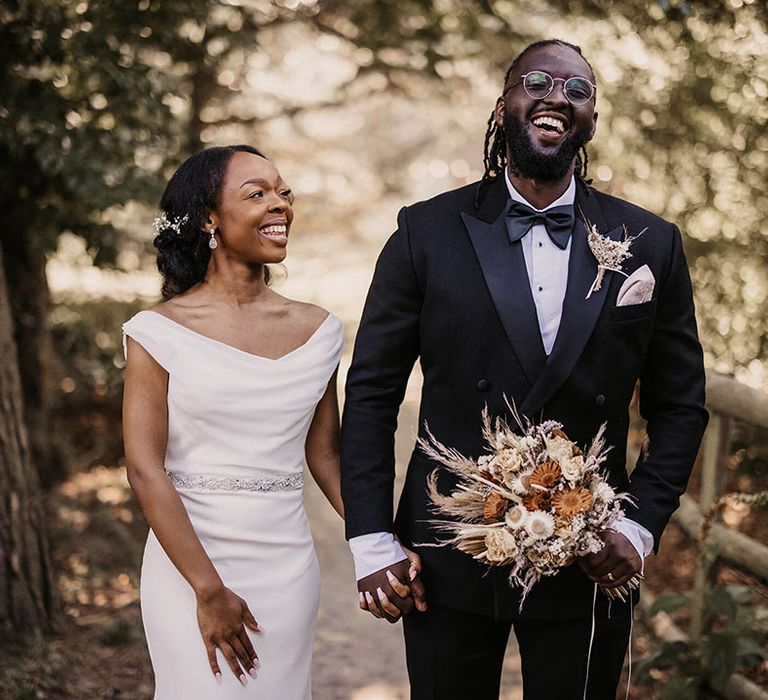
x=680 y=689
x=87 y=409
x=731 y=641
x=99 y=99
x=669 y=603
x=76 y=106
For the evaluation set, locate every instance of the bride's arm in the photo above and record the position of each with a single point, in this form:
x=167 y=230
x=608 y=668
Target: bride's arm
x=322 y=447
x=324 y=462
x=221 y=613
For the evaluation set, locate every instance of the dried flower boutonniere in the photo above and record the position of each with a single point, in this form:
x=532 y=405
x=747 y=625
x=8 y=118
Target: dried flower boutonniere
x=610 y=254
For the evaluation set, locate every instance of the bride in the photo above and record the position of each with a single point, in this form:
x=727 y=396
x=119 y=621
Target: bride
x=229 y=387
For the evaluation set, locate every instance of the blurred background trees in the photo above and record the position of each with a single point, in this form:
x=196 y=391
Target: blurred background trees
x=364 y=106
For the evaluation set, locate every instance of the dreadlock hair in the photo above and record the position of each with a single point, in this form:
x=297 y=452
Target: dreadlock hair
x=495 y=145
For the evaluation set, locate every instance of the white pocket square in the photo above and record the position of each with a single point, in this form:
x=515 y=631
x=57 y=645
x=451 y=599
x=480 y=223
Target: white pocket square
x=637 y=288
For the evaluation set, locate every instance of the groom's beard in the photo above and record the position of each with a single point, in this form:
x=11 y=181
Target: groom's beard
x=527 y=162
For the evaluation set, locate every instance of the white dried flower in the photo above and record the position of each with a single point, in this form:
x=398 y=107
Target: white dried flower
x=602 y=492
x=572 y=468
x=590 y=544
x=559 y=449
x=527 y=442
x=517 y=485
x=516 y=517
x=500 y=545
x=508 y=461
x=540 y=525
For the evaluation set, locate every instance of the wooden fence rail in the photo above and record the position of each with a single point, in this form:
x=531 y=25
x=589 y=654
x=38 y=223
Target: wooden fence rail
x=728 y=400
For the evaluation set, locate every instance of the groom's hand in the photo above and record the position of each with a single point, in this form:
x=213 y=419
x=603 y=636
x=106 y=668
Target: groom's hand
x=388 y=593
x=616 y=563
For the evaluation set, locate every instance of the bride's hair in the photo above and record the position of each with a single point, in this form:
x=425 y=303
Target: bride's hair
x=192 y=192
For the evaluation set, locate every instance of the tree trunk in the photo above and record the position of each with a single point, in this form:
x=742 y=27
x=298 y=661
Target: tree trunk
x=203 y=88
x=30 y=301
x=27 y=597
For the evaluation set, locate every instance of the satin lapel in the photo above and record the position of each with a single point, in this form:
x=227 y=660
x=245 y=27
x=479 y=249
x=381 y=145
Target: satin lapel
x=506 y=277
x=579 y=314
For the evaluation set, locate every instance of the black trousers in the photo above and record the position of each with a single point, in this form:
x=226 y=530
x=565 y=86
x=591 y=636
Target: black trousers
x=453 y=655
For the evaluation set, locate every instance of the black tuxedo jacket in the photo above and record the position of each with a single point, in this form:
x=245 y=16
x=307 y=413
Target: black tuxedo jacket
x=451 y=290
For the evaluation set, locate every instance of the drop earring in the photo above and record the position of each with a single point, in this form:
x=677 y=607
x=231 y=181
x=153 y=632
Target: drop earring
x=213 y=243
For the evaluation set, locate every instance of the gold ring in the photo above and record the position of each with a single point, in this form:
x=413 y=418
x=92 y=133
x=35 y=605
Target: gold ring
x=610 y=576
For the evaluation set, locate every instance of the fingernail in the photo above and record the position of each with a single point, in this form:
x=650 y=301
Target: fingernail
x=252 y=672
x=243 y=679
x=257 y=663
x=218 y=677
x=392 y=578
x=380 y=593
x=369 y=597
x=362 y=597
x=413 y=574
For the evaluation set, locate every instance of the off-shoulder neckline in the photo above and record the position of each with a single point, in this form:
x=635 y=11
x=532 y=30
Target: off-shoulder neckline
x=237 y=350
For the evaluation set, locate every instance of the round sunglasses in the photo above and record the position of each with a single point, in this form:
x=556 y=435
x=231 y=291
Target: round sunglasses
x=538 y=84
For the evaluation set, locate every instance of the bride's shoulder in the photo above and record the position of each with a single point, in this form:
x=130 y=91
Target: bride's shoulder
x=306 y=314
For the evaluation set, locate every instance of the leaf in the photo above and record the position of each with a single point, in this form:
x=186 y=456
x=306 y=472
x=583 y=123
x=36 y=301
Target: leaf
x=677 y=655
x=720 y=658
x=669 y=602
x=720 y=602
x=749 y=652
x=680 y=689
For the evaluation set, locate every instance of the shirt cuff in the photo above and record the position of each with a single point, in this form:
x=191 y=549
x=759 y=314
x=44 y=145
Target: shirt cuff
x=638 y=537
x=374 y=552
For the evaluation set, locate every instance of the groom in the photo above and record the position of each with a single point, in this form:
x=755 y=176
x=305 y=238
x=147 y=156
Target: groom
x=487 y=286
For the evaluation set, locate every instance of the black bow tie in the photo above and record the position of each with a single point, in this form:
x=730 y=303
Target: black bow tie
x=558 y=222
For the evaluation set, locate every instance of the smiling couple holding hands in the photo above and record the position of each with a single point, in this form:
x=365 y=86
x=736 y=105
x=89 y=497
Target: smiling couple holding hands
x=230 y=388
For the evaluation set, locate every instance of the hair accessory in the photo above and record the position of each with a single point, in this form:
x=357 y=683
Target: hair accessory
x=213 y=243
x=163 y=222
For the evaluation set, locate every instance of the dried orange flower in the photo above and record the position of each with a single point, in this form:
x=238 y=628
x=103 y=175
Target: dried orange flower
x=537 y=500
x=572 y=501
x=546 y=474
x=495 y=507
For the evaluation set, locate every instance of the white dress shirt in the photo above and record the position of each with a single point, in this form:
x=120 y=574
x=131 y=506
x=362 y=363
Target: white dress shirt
x=547 y=267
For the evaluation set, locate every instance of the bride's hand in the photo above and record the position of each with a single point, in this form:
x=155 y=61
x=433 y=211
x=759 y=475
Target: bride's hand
x=414 y=563
x=414 y=571
x=222 y=617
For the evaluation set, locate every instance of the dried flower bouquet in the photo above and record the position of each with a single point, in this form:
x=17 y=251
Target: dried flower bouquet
x=536 y=501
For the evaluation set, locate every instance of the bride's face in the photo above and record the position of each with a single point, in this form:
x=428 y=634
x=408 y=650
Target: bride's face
x=254 y=214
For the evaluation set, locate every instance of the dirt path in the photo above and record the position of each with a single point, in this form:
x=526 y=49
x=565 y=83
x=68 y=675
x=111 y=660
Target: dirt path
x=356 y=656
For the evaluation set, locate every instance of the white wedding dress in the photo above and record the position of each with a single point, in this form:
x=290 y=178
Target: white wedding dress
x=237 y=425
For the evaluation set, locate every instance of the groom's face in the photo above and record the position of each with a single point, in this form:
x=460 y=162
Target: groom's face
x=543 y=152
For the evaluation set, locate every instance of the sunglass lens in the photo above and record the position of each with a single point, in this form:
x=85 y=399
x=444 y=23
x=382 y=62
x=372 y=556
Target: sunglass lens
x=578 y=90
x=537 y=83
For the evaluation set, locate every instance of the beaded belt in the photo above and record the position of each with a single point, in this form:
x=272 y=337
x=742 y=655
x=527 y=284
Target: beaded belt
x=235 y=483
